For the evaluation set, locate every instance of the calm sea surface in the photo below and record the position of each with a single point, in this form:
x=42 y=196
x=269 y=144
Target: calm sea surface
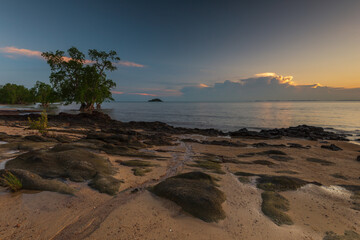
x=344 y=116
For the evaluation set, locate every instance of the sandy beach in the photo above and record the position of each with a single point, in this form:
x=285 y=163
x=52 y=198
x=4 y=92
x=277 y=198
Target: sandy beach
x=320 y=185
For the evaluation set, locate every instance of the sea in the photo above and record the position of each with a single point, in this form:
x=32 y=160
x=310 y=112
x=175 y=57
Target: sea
x=337 y=116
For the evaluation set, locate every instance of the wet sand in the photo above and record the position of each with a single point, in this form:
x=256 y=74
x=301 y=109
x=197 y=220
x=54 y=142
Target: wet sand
x=135 y=213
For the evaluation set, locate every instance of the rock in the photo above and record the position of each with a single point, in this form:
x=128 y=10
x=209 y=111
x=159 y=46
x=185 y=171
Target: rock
x=263 y=144
x=36 y=138
x=348 y=235
x=301 y=131
x=279 y=183
x=274 y=206
x=263 y=162
x=196 y=193
x=32 y=181
x=358 y=158
x=281 y=158
x=105 y=184
x=296 y=145
x=62 y=162
x=321 y=161
x=331 y=147
x=272 y=152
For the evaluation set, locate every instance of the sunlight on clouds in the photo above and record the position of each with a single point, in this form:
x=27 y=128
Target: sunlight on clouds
x=266 y=74
x=11 y=51
x=201 y=85
x=282 y=79
x=117 y=92
x=20 y=51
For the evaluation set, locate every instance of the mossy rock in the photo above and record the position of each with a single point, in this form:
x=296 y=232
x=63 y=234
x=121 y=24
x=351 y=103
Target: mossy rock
x=272 y=152
x=105 y=184
x=348 y=235
x=136 y=163
x=274 y=206
x=199 y=176
x=279 y=183
x=76 y=164
x=140 y=171
x=209 y=165
x=339 y=175
x=263 y=162
x=32 y=181
x=281 y=158
x=196 y=193
x=321 y=161
x=243 y=179
x=245 y=174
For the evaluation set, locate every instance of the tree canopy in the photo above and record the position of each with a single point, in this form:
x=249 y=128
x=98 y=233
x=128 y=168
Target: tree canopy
x=79 y=80
x=15 y=94
x=44 y=94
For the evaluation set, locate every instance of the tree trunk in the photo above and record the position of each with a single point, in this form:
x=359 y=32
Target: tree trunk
x=82 y=107
x=87 y=107
x=98 y=106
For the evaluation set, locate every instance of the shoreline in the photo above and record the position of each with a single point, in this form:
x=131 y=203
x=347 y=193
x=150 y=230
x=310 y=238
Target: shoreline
x=141 y=155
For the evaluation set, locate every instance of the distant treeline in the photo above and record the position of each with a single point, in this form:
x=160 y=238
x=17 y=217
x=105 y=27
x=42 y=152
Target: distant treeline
x=74 y=79
x=18 y=94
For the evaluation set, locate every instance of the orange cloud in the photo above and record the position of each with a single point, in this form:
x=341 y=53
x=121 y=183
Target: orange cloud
x=20 y=51
x=282 y=79
x=201 y=85
x=117 y=92
x=10 y=51
x=130 y=64
x=144 y=94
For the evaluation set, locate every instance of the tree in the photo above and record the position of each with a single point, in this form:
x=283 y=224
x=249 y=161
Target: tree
x=15 y=94
x=82 y=81
x=44 y=94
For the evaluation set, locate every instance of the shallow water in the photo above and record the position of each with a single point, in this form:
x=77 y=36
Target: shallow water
x=3 y=163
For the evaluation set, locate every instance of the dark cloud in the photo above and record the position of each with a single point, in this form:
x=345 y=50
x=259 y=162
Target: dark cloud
x=266 y=86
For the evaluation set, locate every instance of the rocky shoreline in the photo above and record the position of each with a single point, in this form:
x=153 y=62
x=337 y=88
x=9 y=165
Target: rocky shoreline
x=214 y=176
x=106 y=124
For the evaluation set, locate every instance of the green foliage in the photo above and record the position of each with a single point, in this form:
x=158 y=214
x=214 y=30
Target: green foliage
x=44 y=94
x=41 y=124
x=15 y=94
x=11 y=181
x=80 y=80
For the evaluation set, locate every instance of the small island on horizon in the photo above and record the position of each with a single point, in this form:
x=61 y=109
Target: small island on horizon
x=155 y=100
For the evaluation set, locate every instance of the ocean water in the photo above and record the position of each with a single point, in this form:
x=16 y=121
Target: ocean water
x=343 y=116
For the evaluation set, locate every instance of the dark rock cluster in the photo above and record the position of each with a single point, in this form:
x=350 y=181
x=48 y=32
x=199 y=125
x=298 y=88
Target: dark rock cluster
x=301 y=131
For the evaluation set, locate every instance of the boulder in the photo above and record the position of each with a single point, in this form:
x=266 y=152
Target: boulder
x=332 y=147
x=196 y=193
x=32 y=181
x=62 y=162
x=105 y=184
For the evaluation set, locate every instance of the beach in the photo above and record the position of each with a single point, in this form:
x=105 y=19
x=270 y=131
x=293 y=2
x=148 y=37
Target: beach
x=317 y=174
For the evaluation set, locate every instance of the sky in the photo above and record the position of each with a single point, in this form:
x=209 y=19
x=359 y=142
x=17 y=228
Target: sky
x=182 y=50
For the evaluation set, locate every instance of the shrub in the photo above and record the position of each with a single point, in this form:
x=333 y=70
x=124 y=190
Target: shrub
x=10 y=181
x=41 y=124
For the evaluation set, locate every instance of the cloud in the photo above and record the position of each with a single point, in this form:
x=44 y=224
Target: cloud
x=130 y=64
x=117 y=92
x=152 y=92
x=11 y=52
x=266 y=86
